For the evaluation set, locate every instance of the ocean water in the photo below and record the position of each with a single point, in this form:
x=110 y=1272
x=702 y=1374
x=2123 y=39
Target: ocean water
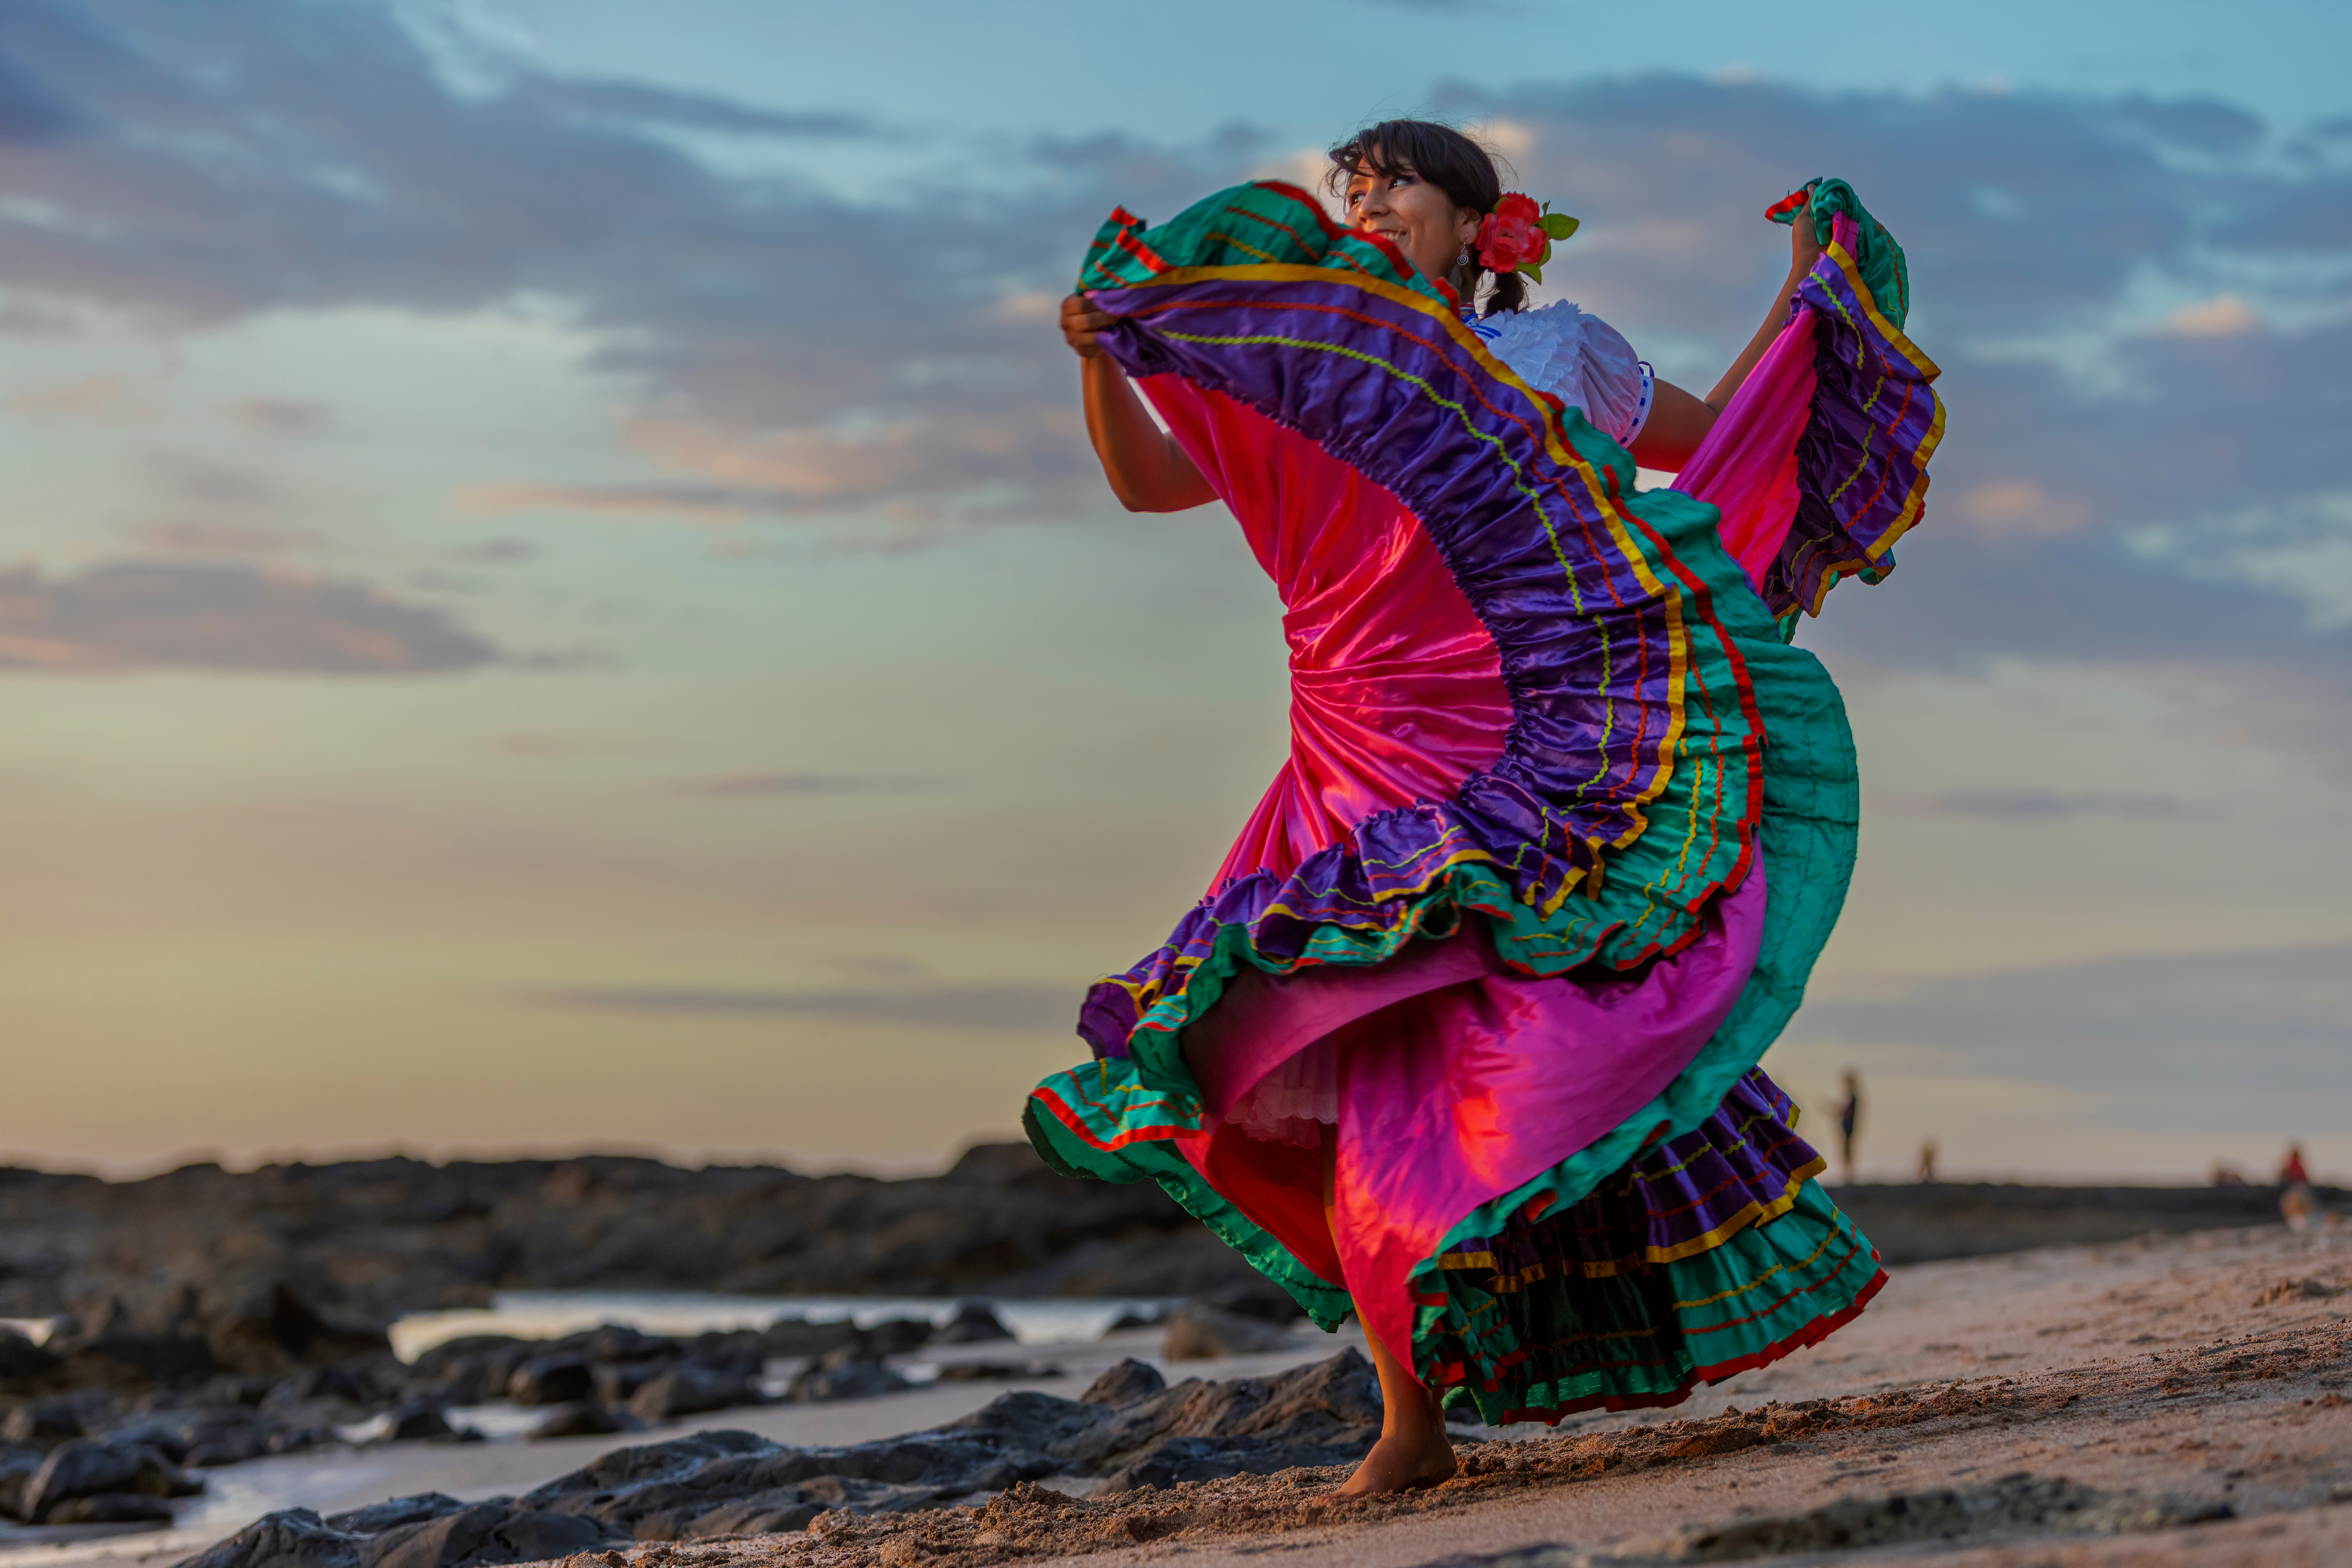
x=551 y=1314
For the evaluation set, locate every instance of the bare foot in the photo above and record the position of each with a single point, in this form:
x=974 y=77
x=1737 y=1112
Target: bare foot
x=1400 y=1462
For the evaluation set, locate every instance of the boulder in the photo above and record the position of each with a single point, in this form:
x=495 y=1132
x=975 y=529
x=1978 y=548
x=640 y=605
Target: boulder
x=394 y=1512
x=690 y=1389
x=1180 y=1459
x=581 y=1419
x=81 y=1469
x=416 y=1420
x=41 y=1422
x=1258 y=1298
x=323 y=1391
x=845 y=1380
x=25 y=1366
x=971 y=1324
x=1132 y=1318
x=17 y=1468
x=112 y=1508
x=1130 y=1381
x=796 y=1336
x=617 y=1342
x=471 y=1369
x=265 y=1328
x=486 y=1534
x=291 y=1538
x=895 y=1336
x=762 y=1513
x=1198 y=1332
x=201 y=1435
x=551 y=1380
x=997 y=1371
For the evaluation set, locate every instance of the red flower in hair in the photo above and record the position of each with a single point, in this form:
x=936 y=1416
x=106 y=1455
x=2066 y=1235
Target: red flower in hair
x=1512 y=234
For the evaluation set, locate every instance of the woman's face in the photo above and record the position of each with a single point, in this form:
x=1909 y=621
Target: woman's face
x=1419 y=218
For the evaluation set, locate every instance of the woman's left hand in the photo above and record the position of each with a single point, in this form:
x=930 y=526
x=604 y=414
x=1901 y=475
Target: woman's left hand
x=1804 y=245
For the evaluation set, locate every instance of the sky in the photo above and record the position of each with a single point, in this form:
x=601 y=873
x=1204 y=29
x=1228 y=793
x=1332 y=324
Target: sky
x=554 y=597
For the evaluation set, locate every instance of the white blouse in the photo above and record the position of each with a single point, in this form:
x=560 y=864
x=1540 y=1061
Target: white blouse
x=1582 y=359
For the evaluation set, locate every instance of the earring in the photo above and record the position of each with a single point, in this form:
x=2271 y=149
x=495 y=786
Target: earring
x=1461 y=262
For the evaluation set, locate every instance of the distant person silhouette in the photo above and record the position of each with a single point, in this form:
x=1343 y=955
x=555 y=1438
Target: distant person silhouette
x=1849 y=1122
x=1927 y=1163
x=2298 y=1205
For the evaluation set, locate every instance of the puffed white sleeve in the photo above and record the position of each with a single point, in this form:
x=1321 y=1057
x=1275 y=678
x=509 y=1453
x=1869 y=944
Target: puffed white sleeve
x=1618 y=387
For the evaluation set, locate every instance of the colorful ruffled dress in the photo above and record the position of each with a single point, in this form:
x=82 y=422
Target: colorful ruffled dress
x=1565 y=823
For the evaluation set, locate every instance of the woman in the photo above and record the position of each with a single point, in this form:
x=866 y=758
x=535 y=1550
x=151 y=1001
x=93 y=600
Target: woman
x=1463 y=1037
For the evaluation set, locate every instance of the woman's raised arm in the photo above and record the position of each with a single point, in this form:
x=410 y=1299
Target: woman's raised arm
x=1147 y=470
x=1679 y=422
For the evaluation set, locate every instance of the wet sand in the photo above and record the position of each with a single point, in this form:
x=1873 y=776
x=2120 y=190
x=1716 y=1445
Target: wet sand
x=2144 y=1370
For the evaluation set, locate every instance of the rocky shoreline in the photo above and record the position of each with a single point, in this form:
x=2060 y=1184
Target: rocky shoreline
x=1128 y=1431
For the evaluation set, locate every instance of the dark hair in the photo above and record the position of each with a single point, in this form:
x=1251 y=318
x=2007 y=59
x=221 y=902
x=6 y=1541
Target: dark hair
x=1447 y=159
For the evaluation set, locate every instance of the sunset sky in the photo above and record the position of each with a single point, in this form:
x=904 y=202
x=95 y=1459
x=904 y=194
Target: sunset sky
x=553 y=595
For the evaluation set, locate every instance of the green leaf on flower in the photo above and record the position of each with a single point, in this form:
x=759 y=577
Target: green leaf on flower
x=1558 y=225
x=1531 y=270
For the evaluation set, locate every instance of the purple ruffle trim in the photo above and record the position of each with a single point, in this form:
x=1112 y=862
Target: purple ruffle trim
x=1741 y=1165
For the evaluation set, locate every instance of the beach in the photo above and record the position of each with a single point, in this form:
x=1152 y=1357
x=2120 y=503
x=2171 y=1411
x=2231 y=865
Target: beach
x=2139 y=1387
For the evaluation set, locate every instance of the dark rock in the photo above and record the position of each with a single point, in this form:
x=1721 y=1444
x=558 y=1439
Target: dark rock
x=551 y=1380
x=1027 y=1420
x=622 y=1468
x=470 y=1369
x=1180 y=1459
x=1129 y=1319
x=23 y=1365
x=997 y=1371
x=971 y=1324
x=690 y=1389
x=795 y=1336
x=336 y=1388
x=416 y=1420
x=393 y=1512
x=17 y=1468
x=291 y=1538
x=581 y=1419
x=485 y=1533
x=112 y=1508
x=43 y=1422
x=763 y=1513
x=1125 y=1383
x=233 y=1388
x=615 y=1341
x=1333 y=1406
x=894 y=1336
x=130 y=1360
x=848 y=1380
x=1198 y=1332
x=203 y=1434
x=1258 y=1298
x=618 y=1382
x=82 y=1468
x=266 y=1329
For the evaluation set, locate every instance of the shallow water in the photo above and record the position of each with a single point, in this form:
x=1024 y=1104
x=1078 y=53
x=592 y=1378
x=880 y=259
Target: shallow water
x=551 y=1314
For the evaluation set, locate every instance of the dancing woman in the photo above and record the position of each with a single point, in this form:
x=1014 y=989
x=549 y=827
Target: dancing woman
x=1463 y=1038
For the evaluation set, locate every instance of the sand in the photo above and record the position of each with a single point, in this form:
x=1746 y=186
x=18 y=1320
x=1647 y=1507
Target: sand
x=2066 y=1406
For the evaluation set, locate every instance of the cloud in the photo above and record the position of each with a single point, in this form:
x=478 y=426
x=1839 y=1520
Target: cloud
x=737 y=786
x=1001 y=1007
x=2249 y=1040
x=2218 y=317
x=235 y=540
x=892 y=367
x=2015 y=804
x=92 y=397
x=169 y=615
